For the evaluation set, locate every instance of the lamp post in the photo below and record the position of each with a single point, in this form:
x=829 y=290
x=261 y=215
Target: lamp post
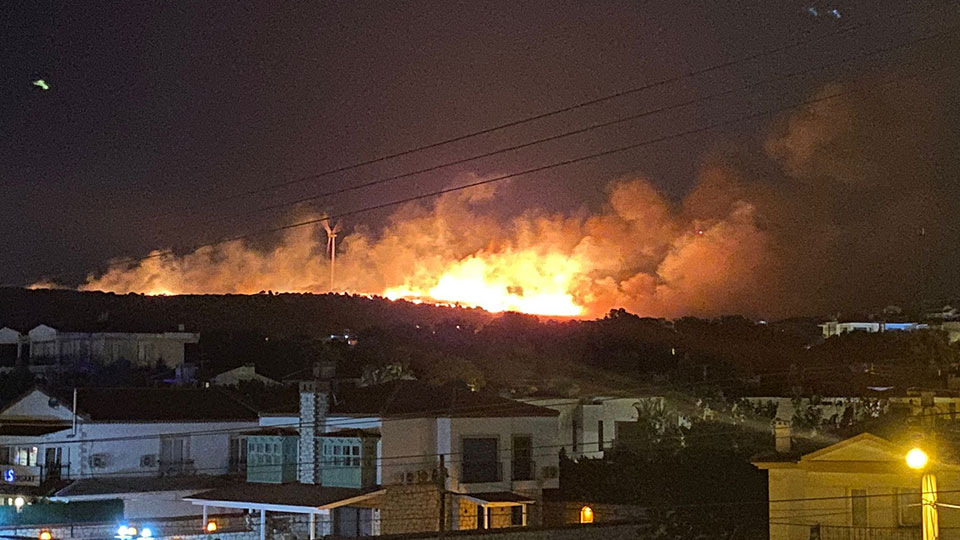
x=918 y=460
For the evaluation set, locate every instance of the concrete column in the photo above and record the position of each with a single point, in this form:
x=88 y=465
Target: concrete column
x=486 y=517
x=313 y=526
x=203 y=526
x=526 y=508
x=263 y=524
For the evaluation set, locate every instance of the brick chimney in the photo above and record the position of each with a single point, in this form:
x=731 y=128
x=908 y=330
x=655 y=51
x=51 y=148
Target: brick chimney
x=314 y=404
x=781 y=435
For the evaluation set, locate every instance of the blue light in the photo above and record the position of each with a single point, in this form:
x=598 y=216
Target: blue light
x=9 y=476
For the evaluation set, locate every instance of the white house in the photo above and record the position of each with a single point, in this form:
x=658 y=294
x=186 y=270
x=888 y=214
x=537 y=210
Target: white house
x=587 y=427
x=836 y=328
x=243 y=374
x=146 y=446
x=48 y=347
x=407 y=457
x=859 y=488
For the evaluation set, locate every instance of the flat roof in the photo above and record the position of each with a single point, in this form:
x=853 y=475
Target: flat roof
x=304 y=498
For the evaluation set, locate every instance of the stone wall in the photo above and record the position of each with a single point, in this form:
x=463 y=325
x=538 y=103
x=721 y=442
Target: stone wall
x=314 y=404
x=559 y=513
x=599 y=531
x=411 y=508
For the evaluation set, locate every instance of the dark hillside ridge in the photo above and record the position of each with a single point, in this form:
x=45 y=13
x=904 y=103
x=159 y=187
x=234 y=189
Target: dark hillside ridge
x=280 y=315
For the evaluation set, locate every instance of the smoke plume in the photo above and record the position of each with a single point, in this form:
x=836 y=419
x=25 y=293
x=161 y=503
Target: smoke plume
x=836 y=210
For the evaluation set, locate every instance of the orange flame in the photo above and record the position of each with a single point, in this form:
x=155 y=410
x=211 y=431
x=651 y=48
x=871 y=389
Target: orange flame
x=525 y=281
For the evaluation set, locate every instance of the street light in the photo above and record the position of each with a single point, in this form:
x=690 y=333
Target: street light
x=917 y=460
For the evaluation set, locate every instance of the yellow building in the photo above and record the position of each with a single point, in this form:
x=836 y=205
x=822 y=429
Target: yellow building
x=857 y=489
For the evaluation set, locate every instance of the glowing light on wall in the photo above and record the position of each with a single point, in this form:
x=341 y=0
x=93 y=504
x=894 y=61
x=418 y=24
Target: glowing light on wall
x=586 y=515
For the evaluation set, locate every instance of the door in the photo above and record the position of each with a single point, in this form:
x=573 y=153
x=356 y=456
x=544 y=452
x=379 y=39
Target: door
x=173 y=455
x=51 y=464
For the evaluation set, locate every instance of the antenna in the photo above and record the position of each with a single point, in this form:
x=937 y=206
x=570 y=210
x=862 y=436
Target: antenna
x=331 y=247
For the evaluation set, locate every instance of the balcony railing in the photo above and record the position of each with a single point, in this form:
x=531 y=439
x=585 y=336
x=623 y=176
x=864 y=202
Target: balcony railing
x=176 y=468
x=525 y=469
x=867 y=533
x=475 y=472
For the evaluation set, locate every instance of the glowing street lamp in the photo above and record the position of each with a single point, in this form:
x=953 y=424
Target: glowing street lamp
x=918 y=460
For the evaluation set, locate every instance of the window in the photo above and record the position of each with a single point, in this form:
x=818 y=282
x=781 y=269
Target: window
x=858 y=507
x=238 y=454
x=586 y=515
x=600 y=435
x=26 y=456
x=523 y=466
x=516 y=516
x=480 y=460
x=574 y=425
x=908 y=504
x=174 y=454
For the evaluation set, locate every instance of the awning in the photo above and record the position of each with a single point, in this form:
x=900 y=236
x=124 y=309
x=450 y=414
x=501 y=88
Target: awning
x=295 y=498
x=498 y=498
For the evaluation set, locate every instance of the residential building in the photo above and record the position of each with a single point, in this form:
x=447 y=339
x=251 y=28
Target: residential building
x=857 y=488
x=246 y=373
x=587 y=427
x=405 y=457
x=45 y=348
x=836 y=328
x=148 y=447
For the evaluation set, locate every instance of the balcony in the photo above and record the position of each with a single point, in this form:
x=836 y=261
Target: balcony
x=522 y=470
x=177 y=468
x=868 y=533
x=477 y=472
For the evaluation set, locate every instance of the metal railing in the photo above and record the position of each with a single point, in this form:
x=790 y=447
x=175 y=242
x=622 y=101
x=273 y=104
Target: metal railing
x=867 y=533
x=524 y=469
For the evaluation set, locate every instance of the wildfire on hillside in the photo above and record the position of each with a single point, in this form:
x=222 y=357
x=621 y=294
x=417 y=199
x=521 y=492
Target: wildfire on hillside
x=738 y=242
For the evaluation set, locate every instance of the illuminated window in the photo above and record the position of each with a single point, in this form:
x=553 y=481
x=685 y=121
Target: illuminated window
x=586 y=515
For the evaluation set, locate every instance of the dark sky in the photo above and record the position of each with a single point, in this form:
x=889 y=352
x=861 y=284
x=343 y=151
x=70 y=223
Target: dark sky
x=156 y=109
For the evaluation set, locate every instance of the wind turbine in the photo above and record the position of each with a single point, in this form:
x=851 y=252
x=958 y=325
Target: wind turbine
x=331 y=246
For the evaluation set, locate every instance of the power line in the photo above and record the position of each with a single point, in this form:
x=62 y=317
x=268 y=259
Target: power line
x=569 y=133
x=541 y=168
x=579 y=105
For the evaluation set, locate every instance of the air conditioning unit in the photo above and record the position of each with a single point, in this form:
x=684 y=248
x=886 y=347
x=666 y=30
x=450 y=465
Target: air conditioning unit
x=148 y=461
x=98 y=461
x=549 y=472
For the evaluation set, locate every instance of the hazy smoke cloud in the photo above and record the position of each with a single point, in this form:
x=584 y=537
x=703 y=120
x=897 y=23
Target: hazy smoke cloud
x=826 y=216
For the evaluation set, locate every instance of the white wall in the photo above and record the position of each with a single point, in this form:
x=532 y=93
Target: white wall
x=122 y=446
x=578 y=424
x=542 y=430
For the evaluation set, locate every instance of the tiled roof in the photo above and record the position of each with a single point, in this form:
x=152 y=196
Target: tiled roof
x=352 y=433
x=142 y=484
x=417 y=399
x=159 y=405
x=18 y=429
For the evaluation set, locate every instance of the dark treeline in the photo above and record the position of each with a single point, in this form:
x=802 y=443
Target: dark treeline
x=284 y=334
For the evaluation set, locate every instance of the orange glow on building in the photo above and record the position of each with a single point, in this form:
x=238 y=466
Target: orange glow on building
x=586 y=515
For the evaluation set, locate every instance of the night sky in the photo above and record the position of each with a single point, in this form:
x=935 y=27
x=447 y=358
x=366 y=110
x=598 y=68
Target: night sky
x=157 y=111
